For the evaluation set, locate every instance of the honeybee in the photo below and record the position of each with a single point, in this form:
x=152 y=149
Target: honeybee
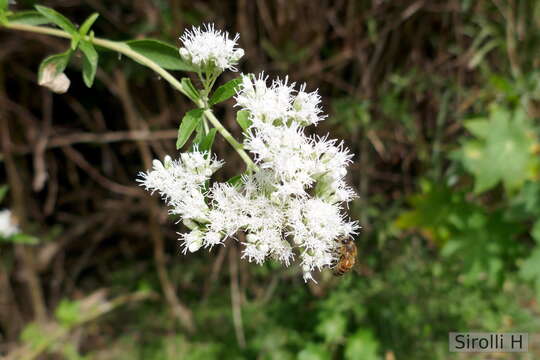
x=347 y=257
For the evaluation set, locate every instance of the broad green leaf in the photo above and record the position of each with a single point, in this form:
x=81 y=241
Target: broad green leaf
x=60 y=60
x=478 y=127
x=207 y=141
x=28 y=18
x=4 y=5
x=87 y=24
x=163 y=54
x=58 y=19
x=90 y=61
x=188 y=125
x=225 y=91
x=242 y=118
x=3 y=191
x=191 y=91
x=501 y=151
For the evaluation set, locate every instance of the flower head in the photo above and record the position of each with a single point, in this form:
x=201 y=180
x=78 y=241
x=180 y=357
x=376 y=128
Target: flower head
x=293 y=206
x=208 y=48
x=279 y=102
x=181 y=183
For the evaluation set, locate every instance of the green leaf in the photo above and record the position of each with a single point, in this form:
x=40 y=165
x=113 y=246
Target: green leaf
x=362 y=345
x=242 y=118
x=23 y=239
x=4 y=5
x=28 y=18
x=90 y=61
x=87 y=24
x=207 y=141
x=235 y=180
x=535 y=232
x=501 y=151
x=191 y=91
x=58 y=19
x=163 y=54
x=188 y=125
x=60 y=60
x=225 y=91
x=478 y=127
x=20 y=238
x=68 y=312
x=314 y=352
x=333 y=328
x=3 y=191
x=530 y=269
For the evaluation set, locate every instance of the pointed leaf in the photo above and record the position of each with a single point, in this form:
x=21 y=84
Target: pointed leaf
x=188 y=125
x=163 y=54
x=207 y=141
x=242 y=118
x=28 y=18
x=58 y=19
x=90 y=61
x=191 y=91
x=225 y=91
x=87 y=24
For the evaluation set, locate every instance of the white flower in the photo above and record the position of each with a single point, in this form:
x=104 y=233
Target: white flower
x=207 y=48
x=181 y=183
x=278 y=103
x=8 y=226
x=293 y=206
x=192 y=240
x=265 y=104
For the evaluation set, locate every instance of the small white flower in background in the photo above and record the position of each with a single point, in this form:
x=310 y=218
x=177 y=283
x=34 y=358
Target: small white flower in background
x=207 y=48
x=293 y=206
x=55 y=81
x=8 y=226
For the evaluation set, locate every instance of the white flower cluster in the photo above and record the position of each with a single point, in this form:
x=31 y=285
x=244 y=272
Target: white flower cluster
x=293 y=205
x=8 y=226
x=207 y=48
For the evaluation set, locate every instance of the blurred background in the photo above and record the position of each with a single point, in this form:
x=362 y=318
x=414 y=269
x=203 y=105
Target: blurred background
x=439 y=101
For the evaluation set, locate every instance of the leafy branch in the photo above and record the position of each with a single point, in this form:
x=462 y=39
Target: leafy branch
x=154 y=54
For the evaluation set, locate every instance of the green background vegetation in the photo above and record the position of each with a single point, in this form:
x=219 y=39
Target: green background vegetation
x=439 y=100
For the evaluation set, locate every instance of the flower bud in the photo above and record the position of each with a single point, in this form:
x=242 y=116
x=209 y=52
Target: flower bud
x=56 y=82
x=194 y=240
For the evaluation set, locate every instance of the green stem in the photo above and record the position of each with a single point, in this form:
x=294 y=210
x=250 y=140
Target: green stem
x=124 y=49
x=208 y=114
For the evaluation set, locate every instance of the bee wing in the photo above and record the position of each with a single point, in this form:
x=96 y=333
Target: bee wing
x=362 y=269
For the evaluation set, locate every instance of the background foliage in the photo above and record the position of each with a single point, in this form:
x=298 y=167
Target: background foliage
x=439 y=100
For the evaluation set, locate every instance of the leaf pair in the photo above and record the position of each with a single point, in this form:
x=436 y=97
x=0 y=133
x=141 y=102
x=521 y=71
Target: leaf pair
x=78 y=39
x=193 y=120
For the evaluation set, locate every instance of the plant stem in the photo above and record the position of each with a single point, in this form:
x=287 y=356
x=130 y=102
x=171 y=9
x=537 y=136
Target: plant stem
x=208 y=114
x=124 y=49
